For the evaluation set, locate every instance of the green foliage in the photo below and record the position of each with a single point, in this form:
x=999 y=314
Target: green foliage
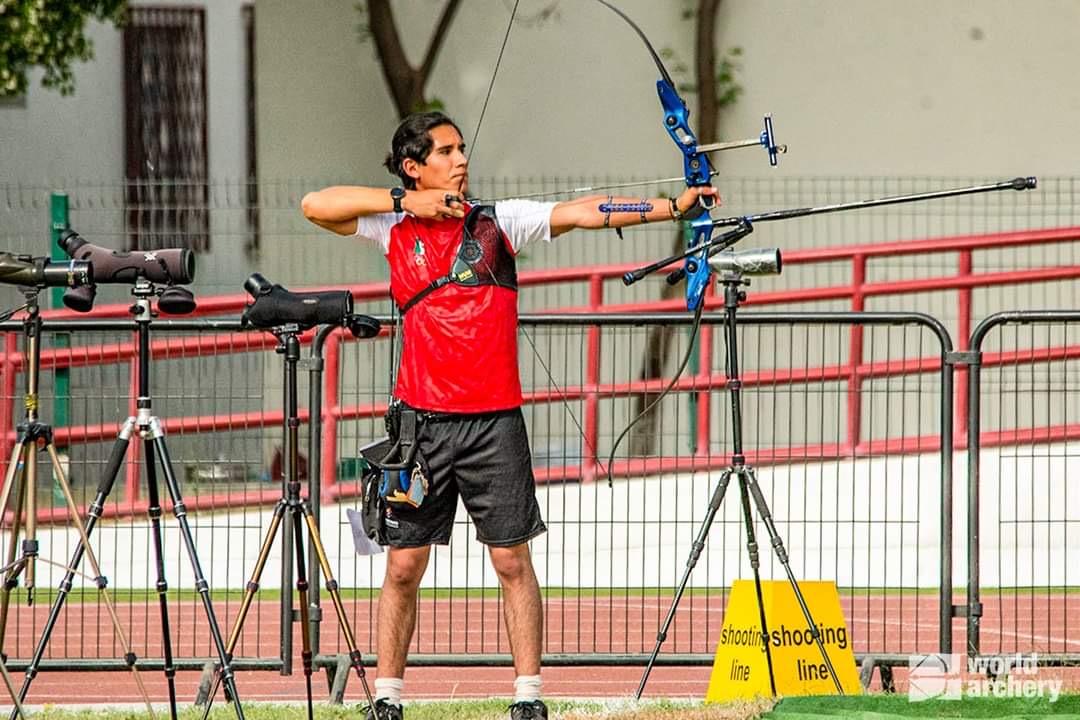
x=429 y=105
x=728 y=88
x=48 y=34
x=363 y=25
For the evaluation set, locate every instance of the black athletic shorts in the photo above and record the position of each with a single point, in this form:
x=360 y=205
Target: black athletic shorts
x=485 y=459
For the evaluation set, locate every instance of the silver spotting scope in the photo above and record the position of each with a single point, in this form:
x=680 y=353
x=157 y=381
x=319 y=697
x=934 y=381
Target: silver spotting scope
x=762 y=261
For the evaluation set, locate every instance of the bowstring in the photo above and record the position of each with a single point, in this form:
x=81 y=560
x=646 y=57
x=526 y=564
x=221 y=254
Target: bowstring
x=524 y=332
x=678 y=374
x=472 y=145
x=491 y=86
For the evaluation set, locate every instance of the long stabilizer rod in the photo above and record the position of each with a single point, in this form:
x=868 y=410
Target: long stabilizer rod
x=747 y=221
x=1019 y=183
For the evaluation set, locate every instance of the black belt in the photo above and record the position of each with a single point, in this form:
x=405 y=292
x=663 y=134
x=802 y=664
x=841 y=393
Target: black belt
x=435 y=416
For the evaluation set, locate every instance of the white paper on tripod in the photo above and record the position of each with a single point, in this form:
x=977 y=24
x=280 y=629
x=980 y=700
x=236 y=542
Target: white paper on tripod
x=364 y=545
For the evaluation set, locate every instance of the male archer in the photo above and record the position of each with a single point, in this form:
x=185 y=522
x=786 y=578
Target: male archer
x=452 y=275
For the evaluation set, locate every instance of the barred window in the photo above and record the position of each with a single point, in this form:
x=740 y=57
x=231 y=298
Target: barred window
x=165 y=128
x=248 y=17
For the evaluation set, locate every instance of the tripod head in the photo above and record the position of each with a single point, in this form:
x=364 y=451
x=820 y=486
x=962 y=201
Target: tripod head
x=172 y=299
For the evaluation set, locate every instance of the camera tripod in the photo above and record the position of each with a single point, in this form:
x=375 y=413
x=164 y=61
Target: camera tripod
x=149 y=429
x=300 y=513
x=22 y=473
x=733 y=283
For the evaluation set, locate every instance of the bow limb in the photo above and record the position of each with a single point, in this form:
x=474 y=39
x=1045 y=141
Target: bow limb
x=697 y=172
x=664 y=393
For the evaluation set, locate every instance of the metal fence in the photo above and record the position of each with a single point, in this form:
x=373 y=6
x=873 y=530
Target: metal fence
x=612 y=553
x=848 y=420
x=258 y=225
x=874 y=516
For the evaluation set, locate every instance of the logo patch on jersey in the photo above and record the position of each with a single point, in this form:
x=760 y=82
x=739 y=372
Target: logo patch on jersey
x=418 y=252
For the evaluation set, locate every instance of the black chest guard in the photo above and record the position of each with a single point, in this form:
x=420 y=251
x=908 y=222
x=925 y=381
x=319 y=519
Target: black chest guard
x=482 y=258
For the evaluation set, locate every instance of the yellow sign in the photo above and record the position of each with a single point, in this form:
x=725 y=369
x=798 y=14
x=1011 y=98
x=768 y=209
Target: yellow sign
x=741 y=669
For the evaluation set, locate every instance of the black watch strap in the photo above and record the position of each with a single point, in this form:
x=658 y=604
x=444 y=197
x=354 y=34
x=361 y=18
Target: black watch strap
x=398 y=194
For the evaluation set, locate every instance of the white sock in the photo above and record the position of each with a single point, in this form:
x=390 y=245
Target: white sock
x=389 y=689
x=526 y=688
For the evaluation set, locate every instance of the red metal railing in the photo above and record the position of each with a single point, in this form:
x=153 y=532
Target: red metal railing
x=857 y=290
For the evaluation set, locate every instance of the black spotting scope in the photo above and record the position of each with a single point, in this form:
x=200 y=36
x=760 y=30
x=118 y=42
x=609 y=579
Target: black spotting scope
x=274 y=306
x=42 y=272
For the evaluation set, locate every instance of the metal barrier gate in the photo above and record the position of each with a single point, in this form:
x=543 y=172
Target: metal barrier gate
x=848 y=420
x=1022 y=453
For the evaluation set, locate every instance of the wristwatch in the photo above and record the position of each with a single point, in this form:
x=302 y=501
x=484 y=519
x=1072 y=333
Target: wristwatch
x=398 y=194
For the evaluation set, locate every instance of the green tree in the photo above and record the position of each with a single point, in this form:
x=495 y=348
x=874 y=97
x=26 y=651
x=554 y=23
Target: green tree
x=48 y=34
x=407 y=83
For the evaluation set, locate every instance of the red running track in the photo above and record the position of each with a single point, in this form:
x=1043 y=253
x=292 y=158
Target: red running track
x=877 y=623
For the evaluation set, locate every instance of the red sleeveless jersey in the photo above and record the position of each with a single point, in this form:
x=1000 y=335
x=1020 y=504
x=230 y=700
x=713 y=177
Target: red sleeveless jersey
x=459 y=351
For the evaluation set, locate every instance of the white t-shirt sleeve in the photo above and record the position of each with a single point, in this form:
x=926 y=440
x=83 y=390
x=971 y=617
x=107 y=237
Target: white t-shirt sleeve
x=524 y=221
x=376 y=228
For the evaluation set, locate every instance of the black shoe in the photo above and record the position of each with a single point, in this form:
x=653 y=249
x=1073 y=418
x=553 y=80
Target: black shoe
x=533 y=710
x=386 y=711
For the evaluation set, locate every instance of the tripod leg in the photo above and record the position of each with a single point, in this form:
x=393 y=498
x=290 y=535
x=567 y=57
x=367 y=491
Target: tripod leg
x=249 y=595
x=335 y=593
x=94 y=514
x=755 y=564
x=99 y=578
x=782 y=556
x=162 y=587
x=18 y=710
x=302 y=596
x=14 y=465
x=691 y=562
x=180 y=512
x=12 y=567
x=30 y=543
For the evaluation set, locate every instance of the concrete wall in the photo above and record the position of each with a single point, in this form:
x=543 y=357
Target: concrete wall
x=968 y=87
x=973 y=88
x=81 y=137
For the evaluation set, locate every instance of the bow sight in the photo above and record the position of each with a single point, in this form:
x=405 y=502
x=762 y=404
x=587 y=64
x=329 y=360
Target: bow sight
x=766 y=139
